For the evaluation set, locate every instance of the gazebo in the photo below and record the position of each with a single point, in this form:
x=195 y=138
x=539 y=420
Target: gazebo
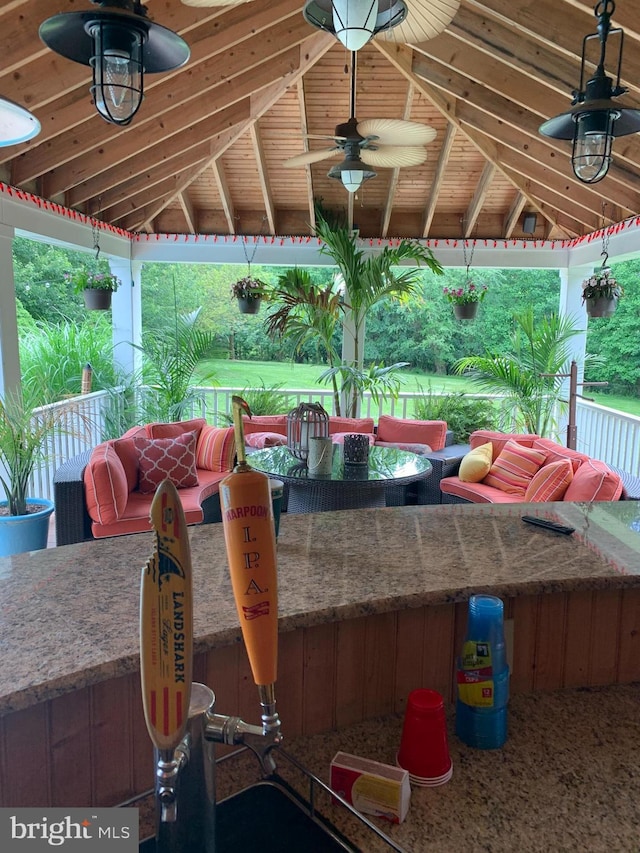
x=199 y=174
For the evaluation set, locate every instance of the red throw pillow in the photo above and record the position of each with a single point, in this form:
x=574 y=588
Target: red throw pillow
x=105 y=484
x=594 y=481
x=216 y=450
x=260 y=440
x=173 y=430
x=167 y=458
x=551 y=482
x=514 y=468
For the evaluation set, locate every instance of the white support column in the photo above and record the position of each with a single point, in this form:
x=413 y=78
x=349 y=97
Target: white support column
x=127 y=315
x=349 y=354
x=10 y=364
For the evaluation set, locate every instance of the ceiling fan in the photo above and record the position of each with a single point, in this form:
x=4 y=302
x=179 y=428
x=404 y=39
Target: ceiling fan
x=375 y=142
x=354 y=22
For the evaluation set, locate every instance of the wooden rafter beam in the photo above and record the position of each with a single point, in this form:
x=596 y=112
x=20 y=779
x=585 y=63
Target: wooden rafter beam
x=401 y=57
x=314 y=48
x=225 y=196
x=436 y=184
x=189 y=212
x=263 y=177
x=395 y=173
x=479 y=198
x=304 y=127
x=512 y=217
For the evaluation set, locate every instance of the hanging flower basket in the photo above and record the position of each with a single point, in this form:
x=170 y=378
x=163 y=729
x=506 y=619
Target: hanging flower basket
x=601 y=306
x=465 y=300
x=600 y=293
x=249 y=292
x=97 y=300
x=465 y=310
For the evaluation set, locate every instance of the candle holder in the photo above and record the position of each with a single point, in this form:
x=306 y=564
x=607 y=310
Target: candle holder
x=308 y=420
x=356 y=449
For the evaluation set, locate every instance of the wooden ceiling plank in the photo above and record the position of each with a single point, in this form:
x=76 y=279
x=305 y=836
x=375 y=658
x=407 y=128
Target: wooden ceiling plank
x=401 y=57
x=313 y=49
x=166 y=105
x=308 y=174
x=189 y=212
x=85 y=186
x=118 y=206
x=436 y=184
x=520 y=128
x=512 y=217
x=395 y=173
x=479 y=197
x=225 y=196
x=263 y=177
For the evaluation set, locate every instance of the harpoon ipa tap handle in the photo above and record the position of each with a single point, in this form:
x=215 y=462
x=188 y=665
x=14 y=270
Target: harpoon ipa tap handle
x=247 y=517
x=166 y=624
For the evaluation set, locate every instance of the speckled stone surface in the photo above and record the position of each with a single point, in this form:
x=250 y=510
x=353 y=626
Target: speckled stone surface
x=69 y=615
x=568 y=779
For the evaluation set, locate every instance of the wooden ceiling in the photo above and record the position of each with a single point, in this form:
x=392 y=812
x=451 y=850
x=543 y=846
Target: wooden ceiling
x=204 y=153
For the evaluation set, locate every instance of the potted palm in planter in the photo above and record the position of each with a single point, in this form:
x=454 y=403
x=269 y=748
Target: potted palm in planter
x=249 y=292
x=601 y=292
x=465 y=299
x=96 y=287
x=24 y=521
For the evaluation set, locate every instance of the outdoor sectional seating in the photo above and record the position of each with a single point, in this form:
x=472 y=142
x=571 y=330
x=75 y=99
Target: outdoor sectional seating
x=108 y=491
x=519 y=468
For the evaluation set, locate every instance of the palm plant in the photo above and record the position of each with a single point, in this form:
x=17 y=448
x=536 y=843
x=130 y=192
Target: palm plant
x=308 y=313
x=529 y=374
x=24 y=443
x=170 y=360
x=368 y=280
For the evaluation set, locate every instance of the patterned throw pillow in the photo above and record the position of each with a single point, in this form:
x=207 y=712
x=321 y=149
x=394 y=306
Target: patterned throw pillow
x=551 y=482
x=476 y=464
x=514 y=468
x=216 y=450
x=162 y=458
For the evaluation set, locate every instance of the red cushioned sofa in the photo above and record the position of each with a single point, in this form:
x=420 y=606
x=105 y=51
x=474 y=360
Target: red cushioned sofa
x=108 y=491
x=546 y=471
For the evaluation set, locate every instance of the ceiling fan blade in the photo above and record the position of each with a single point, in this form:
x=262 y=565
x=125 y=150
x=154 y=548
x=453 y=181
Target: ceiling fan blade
x=310 y=157
x=392 y=156
x=425 y=20
x=396 y=132
x=207 y=3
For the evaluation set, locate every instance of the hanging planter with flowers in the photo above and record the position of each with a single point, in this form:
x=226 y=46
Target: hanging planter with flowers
x=465 y=299
x=249 y=292
x=600 y=293
x=95 y=287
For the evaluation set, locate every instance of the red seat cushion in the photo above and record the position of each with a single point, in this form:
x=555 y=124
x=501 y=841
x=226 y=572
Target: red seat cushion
x=594 y=481
x=499 y=439
x=350 y=425
x=105 y=484
x=173 y=430
x=411 y=431
x=265 y=423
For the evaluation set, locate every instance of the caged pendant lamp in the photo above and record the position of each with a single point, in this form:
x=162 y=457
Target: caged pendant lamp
x=595 y=118
x=354 y=22
x=120 y=44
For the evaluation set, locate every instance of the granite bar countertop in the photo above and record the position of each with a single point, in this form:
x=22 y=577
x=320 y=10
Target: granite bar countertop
x=567 y=779
x=70 y=615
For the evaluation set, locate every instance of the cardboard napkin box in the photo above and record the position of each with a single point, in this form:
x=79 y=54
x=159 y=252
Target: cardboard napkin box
x=371 y=787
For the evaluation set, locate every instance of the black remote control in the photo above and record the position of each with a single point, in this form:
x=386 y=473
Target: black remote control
x=548 y=525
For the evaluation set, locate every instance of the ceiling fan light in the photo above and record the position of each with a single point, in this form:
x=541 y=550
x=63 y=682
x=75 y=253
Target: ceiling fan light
x=352 y=172
x=16 y=123
x=354 y=22
x=352 y=179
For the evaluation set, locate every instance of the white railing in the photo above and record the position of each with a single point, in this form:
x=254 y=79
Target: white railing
x=606 y=434
x=609 y=435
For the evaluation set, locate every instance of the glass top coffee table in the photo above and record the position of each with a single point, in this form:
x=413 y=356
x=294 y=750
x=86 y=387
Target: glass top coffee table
x=350 y=486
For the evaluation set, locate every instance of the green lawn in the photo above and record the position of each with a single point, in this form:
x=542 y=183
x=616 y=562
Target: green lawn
x=246 y=374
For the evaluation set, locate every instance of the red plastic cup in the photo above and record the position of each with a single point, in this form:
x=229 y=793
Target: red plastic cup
x=424 y=747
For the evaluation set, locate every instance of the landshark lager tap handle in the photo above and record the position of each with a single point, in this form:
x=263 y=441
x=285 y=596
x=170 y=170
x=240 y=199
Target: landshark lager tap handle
x=247 y=517
x=166 y=624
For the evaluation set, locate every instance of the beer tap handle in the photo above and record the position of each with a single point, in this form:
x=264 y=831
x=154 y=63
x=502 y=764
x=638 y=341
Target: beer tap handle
x=247 y=517
x=166 y=640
